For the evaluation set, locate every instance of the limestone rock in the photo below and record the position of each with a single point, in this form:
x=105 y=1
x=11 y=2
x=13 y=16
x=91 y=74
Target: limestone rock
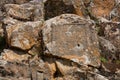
x=72 y=37
x=101 y=8
x=27 y=11
x=10 y=21
x=14 y=56
x=23 y=35
x=64 y=70
x=49 y=70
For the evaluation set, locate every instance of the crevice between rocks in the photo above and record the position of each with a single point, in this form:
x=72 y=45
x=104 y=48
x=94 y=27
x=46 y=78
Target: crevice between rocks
x=55 y=8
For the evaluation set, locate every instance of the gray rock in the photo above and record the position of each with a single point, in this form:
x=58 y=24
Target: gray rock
x=95 y=76
x=71 y=37
x=107 y=48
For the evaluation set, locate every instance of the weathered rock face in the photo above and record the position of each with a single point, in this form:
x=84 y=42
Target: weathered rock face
x=71 y=37
x=14 y=56
x=21 y=1
x=108 y=49
x=101 y=8
x=23 y=35
x=97 y=8
x=111 y=32
x=80 y=7
x=28 y=11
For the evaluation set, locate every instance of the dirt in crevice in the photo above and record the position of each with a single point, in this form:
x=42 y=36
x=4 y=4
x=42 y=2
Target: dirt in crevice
x=55 y=8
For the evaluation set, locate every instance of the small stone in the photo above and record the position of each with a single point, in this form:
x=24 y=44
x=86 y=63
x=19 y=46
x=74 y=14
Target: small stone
x=14 y=56
x=49 y=71
x=62 y=68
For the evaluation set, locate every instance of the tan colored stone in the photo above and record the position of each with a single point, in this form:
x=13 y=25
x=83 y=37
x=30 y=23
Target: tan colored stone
x=79 y=7
x=64 y=70
x=101 y=8
x=49 y=71
x=27 y=11
x=71 y=35
x=18 y=11
x=14 y=56
x=23 y=35
x=10 y=21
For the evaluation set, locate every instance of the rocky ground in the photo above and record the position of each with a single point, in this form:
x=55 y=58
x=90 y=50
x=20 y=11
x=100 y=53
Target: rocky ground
x=59 y=39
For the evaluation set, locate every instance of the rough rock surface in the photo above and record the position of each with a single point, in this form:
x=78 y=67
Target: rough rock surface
x=111 y=32
x=108 y=49
x=14 y=56
x=85 y=46
x=23 y=35
x=27 y=11
x=72 y=37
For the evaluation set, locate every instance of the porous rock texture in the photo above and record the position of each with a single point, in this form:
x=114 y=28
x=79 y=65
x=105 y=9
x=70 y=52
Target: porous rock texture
x=59 y=39
x=23 y=35
x=71 y=37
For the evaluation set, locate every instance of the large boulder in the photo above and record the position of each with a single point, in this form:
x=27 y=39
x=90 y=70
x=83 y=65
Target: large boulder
x=23 y=35
x=72 y=37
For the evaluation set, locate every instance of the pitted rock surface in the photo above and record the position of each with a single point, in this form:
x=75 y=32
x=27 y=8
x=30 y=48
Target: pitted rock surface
x=32 y=11
x=23 y=35
x=14 y=56
x=71 y=37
